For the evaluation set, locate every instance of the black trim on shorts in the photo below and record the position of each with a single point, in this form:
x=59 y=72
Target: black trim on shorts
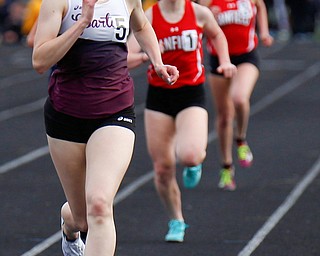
x=172 y=101
x=250 y=57
x=65 y=127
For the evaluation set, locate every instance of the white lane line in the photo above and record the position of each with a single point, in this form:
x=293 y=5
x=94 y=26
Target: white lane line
x=43 y=245
x=260 y=105
x=281 y=211
x=27 y=158
x=287 y=87
x=20 y=78
x=280 y=65
x=22 y=109
x=133 y=186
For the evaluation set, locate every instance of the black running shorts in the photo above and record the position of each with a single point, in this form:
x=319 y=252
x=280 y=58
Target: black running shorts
x=65 y=127
x=172 y=101
x=250 y=57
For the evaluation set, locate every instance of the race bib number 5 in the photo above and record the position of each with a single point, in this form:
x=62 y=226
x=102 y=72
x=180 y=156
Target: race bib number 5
x=121 y=29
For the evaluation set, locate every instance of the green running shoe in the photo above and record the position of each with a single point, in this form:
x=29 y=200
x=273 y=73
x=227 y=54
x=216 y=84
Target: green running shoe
x=227 y=181
x=245 y=156
x=176 y=231
x=191 y=176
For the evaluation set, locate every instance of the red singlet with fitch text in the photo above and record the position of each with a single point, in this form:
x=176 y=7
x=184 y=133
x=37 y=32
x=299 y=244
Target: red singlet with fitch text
x=181 y=46
x=237 y=19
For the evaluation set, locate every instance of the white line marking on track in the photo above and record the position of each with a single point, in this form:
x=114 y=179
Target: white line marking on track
x=287 y=87
x=22 y=109
x=280 y=65
x=43 y=245
x=282 y=210
x=20 y=78
x=27 y=158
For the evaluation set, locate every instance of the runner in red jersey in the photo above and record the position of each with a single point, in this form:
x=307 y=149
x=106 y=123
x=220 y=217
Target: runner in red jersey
x=180 y=44
x=176 y=119
x=237 y=19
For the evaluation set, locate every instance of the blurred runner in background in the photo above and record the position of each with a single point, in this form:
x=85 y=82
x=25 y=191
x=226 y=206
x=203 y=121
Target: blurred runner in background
x=237 y=19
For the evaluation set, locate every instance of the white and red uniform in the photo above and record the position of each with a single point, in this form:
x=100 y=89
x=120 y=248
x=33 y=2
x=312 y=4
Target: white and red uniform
x=181 y=46
x=237 y=19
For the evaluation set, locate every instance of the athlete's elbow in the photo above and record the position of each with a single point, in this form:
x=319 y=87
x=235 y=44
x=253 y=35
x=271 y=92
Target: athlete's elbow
x=39 y=66
x=39 y=69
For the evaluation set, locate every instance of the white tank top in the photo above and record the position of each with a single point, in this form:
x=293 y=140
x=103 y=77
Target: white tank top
x=110 y=21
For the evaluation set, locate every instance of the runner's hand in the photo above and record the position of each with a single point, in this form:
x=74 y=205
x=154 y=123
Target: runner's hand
x=88 y=9
x=168 y=73
x=227 y=69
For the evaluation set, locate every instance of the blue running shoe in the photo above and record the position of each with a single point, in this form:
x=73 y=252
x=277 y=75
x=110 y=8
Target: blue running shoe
x=176 y=231
x=192 y=176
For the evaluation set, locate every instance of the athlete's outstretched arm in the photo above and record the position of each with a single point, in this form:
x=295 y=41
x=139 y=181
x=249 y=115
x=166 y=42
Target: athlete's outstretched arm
x=262 y=23
x=148 y=41
x=213 y=32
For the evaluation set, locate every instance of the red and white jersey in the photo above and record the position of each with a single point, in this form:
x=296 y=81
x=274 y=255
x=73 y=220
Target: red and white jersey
x=237 y=19
x=181 y=46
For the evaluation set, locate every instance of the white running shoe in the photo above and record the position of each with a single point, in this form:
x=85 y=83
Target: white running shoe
x=75 y=248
